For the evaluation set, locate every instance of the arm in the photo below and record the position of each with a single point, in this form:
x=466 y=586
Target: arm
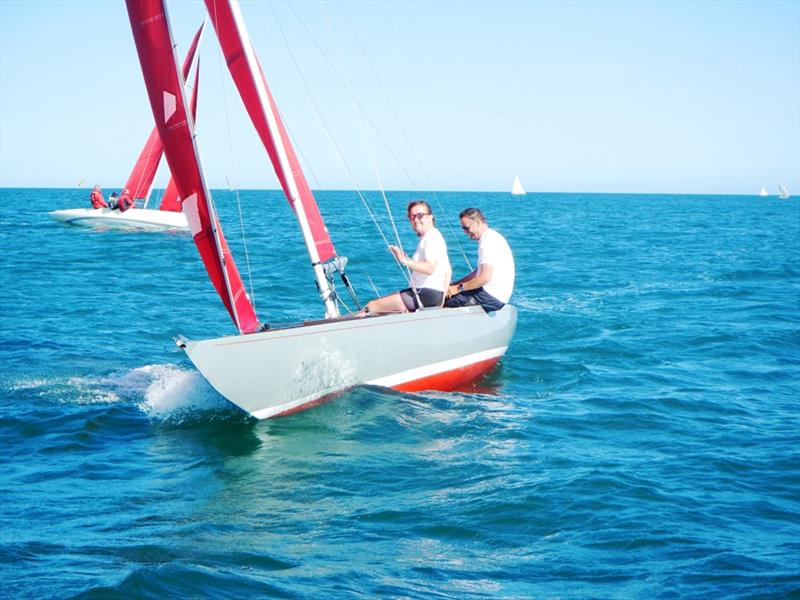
x=422 y=266
x=473 y=281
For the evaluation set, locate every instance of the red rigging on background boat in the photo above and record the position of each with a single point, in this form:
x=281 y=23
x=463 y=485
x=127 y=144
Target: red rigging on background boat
x=282 y=370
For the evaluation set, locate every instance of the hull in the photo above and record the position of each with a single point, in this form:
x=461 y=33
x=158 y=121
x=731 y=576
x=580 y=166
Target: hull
x=282 y=371
x=134 y=218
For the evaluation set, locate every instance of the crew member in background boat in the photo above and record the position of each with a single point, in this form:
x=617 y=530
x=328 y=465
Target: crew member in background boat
x=96 y=198
x=430 y=266
x=492 y=282
x=125 y=200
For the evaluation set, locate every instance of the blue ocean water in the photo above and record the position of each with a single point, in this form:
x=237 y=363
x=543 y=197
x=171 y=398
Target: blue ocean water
x=640 y=439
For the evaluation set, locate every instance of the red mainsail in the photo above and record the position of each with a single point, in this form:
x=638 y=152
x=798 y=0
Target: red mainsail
x=140 y=181
x=252 y=86
x=165 y=89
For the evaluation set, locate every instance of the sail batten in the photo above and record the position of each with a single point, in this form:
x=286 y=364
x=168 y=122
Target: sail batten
x=175 y=126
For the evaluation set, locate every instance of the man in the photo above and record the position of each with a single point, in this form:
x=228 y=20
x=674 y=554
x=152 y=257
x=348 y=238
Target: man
x=492 y=282
x=96 y=197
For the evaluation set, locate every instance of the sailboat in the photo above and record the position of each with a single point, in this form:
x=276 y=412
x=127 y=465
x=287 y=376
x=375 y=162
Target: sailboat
x=783 y=193
x=763 y=191
x=276 y=371
x=140 y=182
x=516 y=188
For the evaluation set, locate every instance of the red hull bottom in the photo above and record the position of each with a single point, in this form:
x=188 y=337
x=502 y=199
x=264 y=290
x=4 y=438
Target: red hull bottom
x=447 y=381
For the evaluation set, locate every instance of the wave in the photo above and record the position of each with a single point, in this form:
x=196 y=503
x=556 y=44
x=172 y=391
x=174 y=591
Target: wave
x=160 y=391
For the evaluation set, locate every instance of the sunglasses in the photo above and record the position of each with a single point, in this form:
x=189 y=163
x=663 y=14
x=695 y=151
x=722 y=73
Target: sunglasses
x=466 y=228
x=417 y=216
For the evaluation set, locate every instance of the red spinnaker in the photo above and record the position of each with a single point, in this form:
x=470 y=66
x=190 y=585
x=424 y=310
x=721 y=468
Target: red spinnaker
x=140 y=181
x=165 y=89
x=235 y=46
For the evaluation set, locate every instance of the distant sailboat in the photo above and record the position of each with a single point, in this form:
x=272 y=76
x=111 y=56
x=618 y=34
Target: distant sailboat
x=517 y=189
x=783 y=193
x=763 y=191
x=140 y=182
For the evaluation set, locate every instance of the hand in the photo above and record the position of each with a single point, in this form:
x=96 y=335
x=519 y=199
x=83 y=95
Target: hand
x=399 y=255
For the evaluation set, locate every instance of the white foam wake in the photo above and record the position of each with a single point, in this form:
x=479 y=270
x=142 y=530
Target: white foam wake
x=170 y=390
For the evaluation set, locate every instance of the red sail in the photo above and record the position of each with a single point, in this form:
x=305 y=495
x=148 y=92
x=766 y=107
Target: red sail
x=140 y=181
x=144 y=170
x=236 y=47
x=171 y=201
x=166 y=92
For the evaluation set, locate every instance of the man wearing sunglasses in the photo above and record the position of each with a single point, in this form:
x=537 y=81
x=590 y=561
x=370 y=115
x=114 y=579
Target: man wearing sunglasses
x=491 y=283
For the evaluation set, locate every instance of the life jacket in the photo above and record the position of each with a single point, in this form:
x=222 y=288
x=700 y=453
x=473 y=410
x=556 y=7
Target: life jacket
x=97 y=199
x=124 y=202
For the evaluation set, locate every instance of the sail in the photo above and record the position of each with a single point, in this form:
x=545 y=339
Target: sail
x=252 y=85
x=516 y=188
x=763 y=191
x=140 y=181
x=783 y=193
x=171 y=201
x=175 y=127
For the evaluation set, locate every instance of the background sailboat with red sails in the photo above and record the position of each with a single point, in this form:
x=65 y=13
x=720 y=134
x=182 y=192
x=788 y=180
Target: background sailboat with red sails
x=168 y=216
x=279 y=370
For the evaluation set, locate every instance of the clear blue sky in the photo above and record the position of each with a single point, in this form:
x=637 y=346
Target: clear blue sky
x=672 y=97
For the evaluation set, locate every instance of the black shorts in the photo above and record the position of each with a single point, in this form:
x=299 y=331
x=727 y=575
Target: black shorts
x=473 y=297
x=427 y=296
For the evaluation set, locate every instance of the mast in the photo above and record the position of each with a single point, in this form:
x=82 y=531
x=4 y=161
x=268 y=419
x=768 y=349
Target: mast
x=235 y=43
x=165 y=89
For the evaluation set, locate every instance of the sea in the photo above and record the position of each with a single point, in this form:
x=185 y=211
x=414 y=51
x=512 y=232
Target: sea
x=640 y=439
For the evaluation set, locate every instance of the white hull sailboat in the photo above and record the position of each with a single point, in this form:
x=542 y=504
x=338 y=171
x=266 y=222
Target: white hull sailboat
x=763 y=192
x=131 y=219
x=271 y=372
x=783 y=193
x=168 y=216
x=516 y=187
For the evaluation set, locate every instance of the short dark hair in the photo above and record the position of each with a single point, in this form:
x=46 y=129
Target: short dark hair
x=472 y=213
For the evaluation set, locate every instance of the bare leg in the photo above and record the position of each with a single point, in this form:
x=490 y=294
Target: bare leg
x=386 y=304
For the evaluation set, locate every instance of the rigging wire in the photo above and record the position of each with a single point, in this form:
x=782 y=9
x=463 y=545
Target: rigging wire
x=351 y=95
x=378 y=132
x=364 y=138
x=328 y=133
x=235 y=187
x=403 y=131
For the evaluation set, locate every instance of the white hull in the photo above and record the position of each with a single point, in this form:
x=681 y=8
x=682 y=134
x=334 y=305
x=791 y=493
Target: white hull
x=134 y=218
x=285 y=370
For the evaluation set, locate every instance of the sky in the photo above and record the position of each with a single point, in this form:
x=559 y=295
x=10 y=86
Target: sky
x=608 y=97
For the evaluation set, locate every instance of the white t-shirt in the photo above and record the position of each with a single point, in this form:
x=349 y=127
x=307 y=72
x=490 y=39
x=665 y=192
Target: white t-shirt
x=494 y=250
x=432 y=247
